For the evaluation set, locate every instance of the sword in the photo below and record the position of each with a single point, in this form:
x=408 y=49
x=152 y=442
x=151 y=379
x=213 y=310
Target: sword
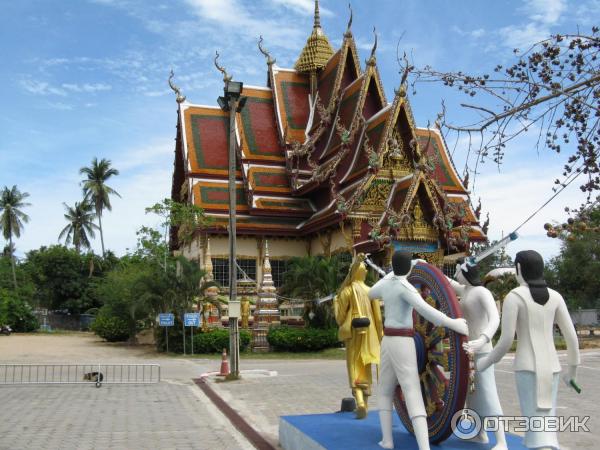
x=375 y=266
x=472 y=260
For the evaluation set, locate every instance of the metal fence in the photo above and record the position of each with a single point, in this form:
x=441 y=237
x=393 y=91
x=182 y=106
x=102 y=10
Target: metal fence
x=97 y=374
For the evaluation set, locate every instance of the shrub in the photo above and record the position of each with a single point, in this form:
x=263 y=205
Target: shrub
x=291 y=339
x=213 y=341
x=16 y=313
x=111 y=328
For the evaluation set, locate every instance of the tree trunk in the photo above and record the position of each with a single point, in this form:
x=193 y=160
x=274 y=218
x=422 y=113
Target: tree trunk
x=101 y=233
x=12 y=260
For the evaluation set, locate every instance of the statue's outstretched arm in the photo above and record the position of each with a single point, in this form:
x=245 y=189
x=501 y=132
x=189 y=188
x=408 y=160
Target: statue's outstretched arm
x=510 y=311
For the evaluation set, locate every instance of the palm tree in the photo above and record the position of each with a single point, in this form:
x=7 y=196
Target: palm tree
x=81 y=225
x=96 y=190
x=12 y=218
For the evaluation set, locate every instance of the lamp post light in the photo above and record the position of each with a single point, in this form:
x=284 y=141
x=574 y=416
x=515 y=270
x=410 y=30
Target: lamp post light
x=233 y=102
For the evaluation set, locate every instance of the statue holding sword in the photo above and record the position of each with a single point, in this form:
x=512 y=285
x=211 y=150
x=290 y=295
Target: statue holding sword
x=531 y=310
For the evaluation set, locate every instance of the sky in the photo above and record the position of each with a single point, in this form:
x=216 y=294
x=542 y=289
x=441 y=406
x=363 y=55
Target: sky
x=88 y=78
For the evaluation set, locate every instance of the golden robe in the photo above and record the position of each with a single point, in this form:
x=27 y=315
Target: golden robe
x=362 y=344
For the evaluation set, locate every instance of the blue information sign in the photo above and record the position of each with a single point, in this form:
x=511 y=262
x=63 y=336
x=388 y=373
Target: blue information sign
x=166 y=320
x=191 y=319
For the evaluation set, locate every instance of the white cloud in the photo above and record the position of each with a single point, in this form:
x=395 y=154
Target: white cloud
x=234 y=19
x=523 y=37
x=546 y=11
x=145 y=178
x=306 y=7
x=543 y=14
x=59 y=106
x=41 y=88
x=86 y=87
x=511 y=197
x=586 y=13
x=478 y=33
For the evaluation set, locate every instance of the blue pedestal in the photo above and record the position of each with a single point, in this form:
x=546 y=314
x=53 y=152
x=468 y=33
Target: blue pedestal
x=343 y=431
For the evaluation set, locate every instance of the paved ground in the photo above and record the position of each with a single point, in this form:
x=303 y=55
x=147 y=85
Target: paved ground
x=304 y=387
x=176 y=414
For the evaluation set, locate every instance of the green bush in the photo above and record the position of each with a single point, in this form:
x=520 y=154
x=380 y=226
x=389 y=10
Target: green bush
x=291 y=339
x=111 y=328
x=16 y=313
x=214 y=341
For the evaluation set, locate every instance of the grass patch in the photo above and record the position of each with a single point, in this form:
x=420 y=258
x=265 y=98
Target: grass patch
x=329 y=353
x=59 y=332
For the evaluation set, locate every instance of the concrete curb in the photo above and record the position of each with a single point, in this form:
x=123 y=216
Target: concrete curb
x=238 y=421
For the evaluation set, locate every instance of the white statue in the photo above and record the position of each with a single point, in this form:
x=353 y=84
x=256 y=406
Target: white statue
x=398 y=353
x=532 y=310
x=479 y=309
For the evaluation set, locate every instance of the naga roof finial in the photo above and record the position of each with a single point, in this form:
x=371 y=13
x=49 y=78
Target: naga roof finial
x=317 y=22
x=371 y=60
x=270 y=60
x=180 y=98
x=348 y=32
x=226 y=76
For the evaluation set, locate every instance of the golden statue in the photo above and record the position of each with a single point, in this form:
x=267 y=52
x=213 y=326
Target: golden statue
x=361 y=330
x=245 y=311
x=211 y=300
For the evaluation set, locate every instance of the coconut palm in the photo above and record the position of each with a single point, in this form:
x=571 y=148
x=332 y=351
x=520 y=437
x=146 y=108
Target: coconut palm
x=95 y=189
x=12 y=219
x=81 y=225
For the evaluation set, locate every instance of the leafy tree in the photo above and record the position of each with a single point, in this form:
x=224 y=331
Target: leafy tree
x=16 y=312
x=185 y=218
x=12 y=219
x=124 y=295
x=502 y=285
x=97 y=191
x=552 y=89
x=26 y=289
x=312 y=277
x=575 y=272
x=81 y=225
x=61 y=279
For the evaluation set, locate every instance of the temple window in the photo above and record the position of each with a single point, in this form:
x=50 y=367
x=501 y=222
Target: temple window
x=221 y=269
x=278 y=268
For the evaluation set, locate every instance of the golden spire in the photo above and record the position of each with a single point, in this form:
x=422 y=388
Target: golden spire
x=317 y=50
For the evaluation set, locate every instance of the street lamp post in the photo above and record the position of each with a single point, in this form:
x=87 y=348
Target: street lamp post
x=233 y=102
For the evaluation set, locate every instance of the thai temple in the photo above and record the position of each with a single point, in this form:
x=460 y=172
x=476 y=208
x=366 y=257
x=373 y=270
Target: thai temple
x=326 y=164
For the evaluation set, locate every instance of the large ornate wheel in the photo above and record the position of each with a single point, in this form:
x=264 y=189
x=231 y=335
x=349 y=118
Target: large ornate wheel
x=443 y=364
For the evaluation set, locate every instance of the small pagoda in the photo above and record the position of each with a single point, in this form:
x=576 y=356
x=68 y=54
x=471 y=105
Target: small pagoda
x=325 y=164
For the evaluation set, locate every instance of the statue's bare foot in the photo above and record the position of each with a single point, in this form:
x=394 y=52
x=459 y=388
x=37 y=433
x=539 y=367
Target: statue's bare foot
x=500 y=447
x=361 y=411
x=385 y=444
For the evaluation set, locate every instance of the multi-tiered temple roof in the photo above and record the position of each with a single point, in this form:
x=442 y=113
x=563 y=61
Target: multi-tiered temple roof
x=321 y=145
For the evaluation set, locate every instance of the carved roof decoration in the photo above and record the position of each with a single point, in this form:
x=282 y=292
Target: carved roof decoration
x=320 y=146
